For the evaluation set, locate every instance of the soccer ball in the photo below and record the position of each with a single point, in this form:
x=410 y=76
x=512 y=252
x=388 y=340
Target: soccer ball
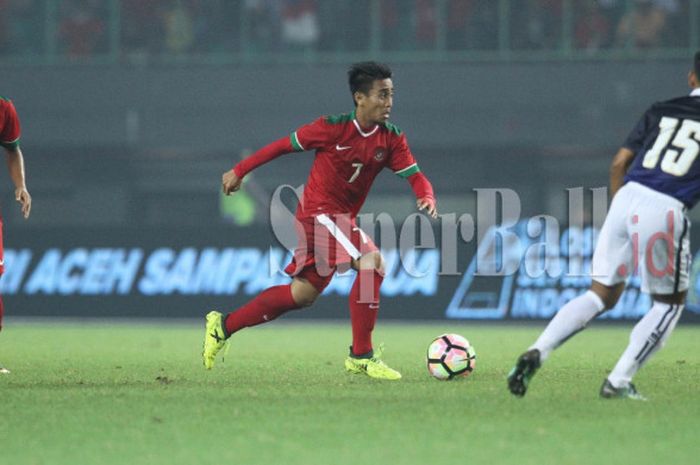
x=451 y=356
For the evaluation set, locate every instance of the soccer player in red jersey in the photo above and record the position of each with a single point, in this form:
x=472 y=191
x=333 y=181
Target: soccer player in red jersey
x=351 y=150
x=9 y=139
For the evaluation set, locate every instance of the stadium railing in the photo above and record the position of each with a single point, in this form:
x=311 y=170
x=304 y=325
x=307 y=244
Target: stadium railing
x=313 y=31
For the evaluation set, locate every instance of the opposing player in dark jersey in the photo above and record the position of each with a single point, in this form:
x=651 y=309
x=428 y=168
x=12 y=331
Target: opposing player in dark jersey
x=9 y=139
x=351 y=149
x=654 y=180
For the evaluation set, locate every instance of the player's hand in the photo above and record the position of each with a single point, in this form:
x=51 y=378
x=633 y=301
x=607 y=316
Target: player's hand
x=428 y=204
x=231 y=183
x=25 y=200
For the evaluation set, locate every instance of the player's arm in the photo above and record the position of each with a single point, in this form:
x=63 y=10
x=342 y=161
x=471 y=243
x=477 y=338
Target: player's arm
x=618 y=168
x=633 y=144
x=9 y=139
x=308 y=137
x=231 y=180
x=404 y=165
x=15 y=165
x=425 y=198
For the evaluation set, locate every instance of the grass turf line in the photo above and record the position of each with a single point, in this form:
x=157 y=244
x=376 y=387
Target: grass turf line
x=129 y=394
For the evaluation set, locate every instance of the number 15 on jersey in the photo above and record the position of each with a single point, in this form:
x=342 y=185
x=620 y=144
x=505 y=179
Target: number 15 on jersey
x=673 y=161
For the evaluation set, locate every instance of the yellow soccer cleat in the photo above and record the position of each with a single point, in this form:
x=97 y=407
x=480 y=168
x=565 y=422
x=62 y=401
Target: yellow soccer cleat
x=373 y=367
x=214 y=338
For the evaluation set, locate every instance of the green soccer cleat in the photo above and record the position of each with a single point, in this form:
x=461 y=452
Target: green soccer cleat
x=608 y=391
x=523 y=371
x=372 y=366
x=214 y=338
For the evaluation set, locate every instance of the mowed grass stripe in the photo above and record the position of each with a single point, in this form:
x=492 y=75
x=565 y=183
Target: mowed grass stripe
x=130 y=394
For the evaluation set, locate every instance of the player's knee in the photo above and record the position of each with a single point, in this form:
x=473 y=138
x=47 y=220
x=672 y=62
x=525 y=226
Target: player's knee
x=373 y=261
x=379 y=263
x=304 y=293
x=677 y=298
x=609 y=295
x=305 y=300
x=305 y=297
x=609 y=301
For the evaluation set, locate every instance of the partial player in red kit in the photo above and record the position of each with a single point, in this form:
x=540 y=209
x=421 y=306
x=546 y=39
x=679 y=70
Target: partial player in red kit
x=351 y=149
x=9 y=139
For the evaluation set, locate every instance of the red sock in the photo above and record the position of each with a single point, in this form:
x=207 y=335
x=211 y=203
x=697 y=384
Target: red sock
x=364 y=306
x=267 y=306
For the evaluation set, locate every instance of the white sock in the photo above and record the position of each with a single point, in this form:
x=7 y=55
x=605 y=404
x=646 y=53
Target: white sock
x=569 y=320
x=647 y=337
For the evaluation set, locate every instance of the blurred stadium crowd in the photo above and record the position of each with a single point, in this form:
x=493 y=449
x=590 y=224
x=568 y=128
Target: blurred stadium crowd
x=144 y=28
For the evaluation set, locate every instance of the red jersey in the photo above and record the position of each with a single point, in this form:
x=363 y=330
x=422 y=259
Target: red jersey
x=9 y=124
x=348 y=158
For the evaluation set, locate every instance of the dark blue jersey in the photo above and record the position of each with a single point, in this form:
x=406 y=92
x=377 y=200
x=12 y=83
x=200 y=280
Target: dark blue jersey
x=666 y=146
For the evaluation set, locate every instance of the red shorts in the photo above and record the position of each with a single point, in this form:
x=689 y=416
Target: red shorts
x=326 y=243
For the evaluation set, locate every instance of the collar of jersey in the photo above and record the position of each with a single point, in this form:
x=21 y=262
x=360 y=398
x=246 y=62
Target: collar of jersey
x=695 y=92
x=359 y=128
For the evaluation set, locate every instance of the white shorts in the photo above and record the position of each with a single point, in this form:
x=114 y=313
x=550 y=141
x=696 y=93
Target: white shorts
x=646 y=231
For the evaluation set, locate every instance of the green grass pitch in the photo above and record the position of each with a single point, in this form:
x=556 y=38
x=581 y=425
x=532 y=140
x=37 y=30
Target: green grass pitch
x=137 y=394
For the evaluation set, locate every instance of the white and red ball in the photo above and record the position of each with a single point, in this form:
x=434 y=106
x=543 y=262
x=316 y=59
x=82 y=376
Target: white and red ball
x=451 y=356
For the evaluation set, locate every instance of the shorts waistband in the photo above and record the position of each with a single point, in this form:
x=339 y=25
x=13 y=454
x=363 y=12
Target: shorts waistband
x=659 y=196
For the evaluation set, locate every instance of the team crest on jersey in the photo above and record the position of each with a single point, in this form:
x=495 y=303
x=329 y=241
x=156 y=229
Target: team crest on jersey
x=379 y=153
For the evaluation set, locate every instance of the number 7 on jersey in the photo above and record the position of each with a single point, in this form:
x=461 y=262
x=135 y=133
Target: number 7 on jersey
x=358 y=167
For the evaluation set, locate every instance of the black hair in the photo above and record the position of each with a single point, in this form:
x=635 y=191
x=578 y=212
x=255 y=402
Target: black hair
x=362 y=75
x=696 y=68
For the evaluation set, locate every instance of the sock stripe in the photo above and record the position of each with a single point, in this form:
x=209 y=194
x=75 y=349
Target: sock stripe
x=663 y=319
x=649 y=348
x=646 y=344
x=677 y=279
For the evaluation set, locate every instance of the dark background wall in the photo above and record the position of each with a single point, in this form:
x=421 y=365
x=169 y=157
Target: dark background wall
x=144 y=139
x=439 y=105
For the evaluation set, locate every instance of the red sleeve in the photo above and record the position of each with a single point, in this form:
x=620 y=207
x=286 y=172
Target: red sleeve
x=262 y=156
x=10 y=130
x=315 y=135
x=421 y=186
x=402 y=162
